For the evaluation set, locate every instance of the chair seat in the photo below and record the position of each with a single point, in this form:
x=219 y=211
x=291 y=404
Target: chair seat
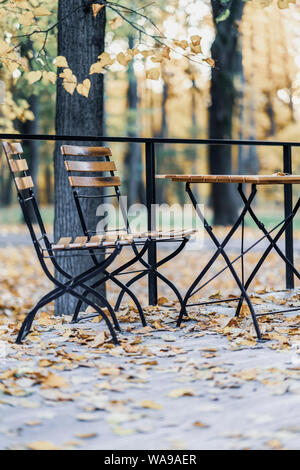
x=111 y=239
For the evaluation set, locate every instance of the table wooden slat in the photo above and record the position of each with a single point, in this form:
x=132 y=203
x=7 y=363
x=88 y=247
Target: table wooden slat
x=254 y=179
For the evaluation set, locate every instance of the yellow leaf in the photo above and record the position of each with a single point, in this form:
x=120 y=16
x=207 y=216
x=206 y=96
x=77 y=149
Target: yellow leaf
x=182 y=44
x=275 y=444
x=69 y=86
x=105 y=59
x=96 y=8
x=196 y=49
x=162 y=301
x=283 y=4
x=12 y=66
x=61 y=61
x=124 y=59
x=42 y=445
x=150 y=405
x=129 y=348
x=265 y=3
x=54 y=381
x=97 y=67
x=50 y=76
x=84 y=88
x=116 y=23
x=153 y=74
x=147 y=53
x=199 y=424
x=181 y=392
x=209 y=61
x=29 y=116
x=4 y=47
x=67 y=74
x=41 y=11
x=157 y=325
x=195 y=40
x=26 y=19
x=34 y=76
x=247 y=375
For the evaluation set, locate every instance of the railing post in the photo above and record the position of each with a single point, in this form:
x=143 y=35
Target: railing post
x=288 y=207
x=150 y=201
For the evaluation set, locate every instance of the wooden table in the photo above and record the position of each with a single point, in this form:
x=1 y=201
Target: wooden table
x=240 y=180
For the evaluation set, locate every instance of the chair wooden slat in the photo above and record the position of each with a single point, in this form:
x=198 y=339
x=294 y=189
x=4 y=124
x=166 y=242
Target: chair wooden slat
x=63 y=243
x=12 y=148
x=18 y=165
x=78 y=151
x=89 y=166
x=95 y=241
x=24 y=183
x=79 y=242
x=93 y=182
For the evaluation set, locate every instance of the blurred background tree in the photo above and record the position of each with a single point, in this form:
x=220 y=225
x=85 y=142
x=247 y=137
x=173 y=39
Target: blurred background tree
x=173 y=68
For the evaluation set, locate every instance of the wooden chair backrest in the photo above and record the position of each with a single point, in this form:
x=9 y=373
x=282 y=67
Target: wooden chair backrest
x=18 y=165
x=83 y=165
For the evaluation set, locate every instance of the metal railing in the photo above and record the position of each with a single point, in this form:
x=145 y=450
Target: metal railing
x=150 y=164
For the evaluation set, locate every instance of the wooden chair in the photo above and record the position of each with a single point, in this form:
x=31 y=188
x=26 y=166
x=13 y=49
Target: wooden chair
x=90 y=167
x=46 y=250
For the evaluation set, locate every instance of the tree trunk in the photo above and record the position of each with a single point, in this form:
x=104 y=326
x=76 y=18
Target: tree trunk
x=80 y=40
x=225 y=50
x=133 y=158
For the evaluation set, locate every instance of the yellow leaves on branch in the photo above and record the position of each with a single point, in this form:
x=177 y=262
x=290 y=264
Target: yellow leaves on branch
x=36 y=75
x=96 y=8
x=124 y=59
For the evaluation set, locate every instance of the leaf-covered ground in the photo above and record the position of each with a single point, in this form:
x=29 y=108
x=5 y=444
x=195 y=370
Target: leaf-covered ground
x=208 y=385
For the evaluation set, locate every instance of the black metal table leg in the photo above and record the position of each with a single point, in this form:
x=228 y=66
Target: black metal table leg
x=221 y=251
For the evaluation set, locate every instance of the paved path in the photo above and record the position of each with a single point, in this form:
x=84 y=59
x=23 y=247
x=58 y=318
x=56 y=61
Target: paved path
x=245 y=398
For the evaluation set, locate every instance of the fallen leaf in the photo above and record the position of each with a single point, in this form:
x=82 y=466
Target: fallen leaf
x=181 y=392
x=54 y=381
x=42 y=445
x=150 y=404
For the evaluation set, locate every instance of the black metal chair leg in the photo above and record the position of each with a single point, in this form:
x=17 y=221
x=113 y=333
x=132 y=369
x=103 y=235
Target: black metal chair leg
x=26 y=326
x=128 y=284
x=106 y=304
x=123 y=286
x=133 y=296
x=154 y=270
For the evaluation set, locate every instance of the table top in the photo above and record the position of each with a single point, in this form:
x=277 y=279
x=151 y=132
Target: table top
x=277 y=178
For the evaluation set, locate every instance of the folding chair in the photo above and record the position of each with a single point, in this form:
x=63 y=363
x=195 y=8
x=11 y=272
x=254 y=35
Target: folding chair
x=46 y=250
x=92 y=161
